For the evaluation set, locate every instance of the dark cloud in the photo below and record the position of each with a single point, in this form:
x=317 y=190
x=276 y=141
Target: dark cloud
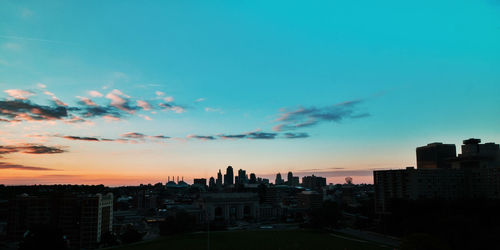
x=172 y=107
x=31 y=149
x=40 y=149
x=119 y=105
x=134 y=135
x=6 y=165
x=249 y=135
x=295 y=135
x=239 y=136
x=307 y=117
x=18 y=110
x=261 y=135
x=202 y=137
x=79 y=138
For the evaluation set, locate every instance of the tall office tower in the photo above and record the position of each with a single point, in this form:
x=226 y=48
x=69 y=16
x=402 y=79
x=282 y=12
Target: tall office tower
x=218 y=182
x=229 y=176
x=211 y=183
x=290 y=178
x=253 y=179
x=435 y=155
x=242 y=176
x=477 y=155
x=278 y=180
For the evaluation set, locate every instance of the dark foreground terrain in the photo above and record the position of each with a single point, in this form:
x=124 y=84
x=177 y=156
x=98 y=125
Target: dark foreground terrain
x=275 y=240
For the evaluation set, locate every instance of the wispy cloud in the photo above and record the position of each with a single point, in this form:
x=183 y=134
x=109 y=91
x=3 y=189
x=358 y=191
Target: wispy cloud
x=144 y=105
x=295 y=135
x=28 y=148
x=120 y=101
x=217 y=110
x=307 y=117
x=11 y=46
x=118 y=107
x=95 y=93
x=132 y=137
x=33 y=39
x=19 y=94
x=202 y=137
x=6 y=165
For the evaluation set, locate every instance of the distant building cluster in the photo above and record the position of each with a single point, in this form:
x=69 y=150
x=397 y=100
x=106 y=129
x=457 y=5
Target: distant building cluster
x=442 y=174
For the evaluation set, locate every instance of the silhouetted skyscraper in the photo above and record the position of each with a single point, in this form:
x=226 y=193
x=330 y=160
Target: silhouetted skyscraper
x=211 y=183
x=219 y=179
x=253 y=178
x=229 y=176
x=242 y=176
x=279 y=180
x=435 y=155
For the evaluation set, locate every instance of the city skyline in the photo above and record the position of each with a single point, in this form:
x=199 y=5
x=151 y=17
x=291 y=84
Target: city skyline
x=138 y=93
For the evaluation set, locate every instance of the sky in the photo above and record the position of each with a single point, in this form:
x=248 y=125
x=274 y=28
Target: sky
x=130 y=92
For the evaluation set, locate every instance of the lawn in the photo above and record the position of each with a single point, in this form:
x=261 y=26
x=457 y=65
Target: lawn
x=243 y=240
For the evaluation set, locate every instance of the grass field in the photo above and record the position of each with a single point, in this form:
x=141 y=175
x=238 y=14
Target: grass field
x=262 y=240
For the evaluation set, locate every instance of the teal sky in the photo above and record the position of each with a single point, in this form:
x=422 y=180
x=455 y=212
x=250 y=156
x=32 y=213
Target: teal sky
x=359 y=83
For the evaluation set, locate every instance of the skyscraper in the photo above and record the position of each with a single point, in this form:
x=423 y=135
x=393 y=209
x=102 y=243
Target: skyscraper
x=435 y=155
x=219 y=179
x=229 y=176
x=279 y=180
x=211 y=183
x=253 y=179
x=242 y=176
x=290 y=177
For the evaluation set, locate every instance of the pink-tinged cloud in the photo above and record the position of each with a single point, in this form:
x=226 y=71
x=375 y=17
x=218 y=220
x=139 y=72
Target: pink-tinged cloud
x=55 y=99
x=144 y=105
x=95 y=93
x=118 y=101
x=159 y=93
x=178 y=109
x=6 y=165
x=110 y=118
x=41 y=85
x=168 y=99
x=87 y=101
x=170 y=107
x=200 y=100
x=147 y=118
x=19 y=94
